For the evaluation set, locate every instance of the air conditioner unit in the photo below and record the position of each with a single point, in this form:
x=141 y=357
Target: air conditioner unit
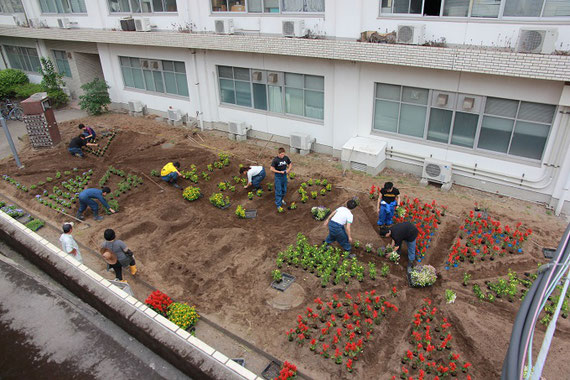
x=257 y=76
x=437 y=171
x=295 y=28
x=238 y=128
x=224 y=26
x=540 y=41
x=143 y=25
x=128 y=24
x=301 y=141
x=20 y=19
x=174 y=115
x=136 y=106
x=411 y=34
x=63 y=23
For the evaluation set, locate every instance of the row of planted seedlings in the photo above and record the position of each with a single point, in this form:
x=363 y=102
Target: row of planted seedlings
x=431 y=354
x=180 y=313
x=340 y=328
x=17 y=213
x=514 y=288
x=101 y=150
x=128 y=182
x=482 y=238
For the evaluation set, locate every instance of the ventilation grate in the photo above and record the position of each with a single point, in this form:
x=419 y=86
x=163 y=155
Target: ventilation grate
x=433 y=170
x=358 y=166
x=406 y=34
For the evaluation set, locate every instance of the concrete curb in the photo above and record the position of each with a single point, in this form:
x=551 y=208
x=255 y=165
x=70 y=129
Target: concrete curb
x=187 y=353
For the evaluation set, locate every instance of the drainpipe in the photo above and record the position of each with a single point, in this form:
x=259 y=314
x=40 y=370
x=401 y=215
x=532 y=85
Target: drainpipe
x=199 y=113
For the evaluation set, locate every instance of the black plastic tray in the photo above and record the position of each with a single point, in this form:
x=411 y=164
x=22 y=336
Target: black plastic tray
x=240 y=361
x=250 y=214
x=549 y=252
x=284 y=283
x=271 y=371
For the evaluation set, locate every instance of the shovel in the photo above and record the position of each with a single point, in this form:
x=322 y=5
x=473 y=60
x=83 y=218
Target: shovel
x=84 y=224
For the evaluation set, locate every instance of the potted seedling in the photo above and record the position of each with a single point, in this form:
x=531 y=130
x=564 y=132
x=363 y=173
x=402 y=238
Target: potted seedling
x=277 y=276
x=368 y=247
x=269 y=186
x=240 y=212
x=314 y=194
x=292 y=206
x=250 y=195
x=259 y=192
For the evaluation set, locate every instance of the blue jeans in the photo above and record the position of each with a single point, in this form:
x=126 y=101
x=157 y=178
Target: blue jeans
x=75 y=151
x=386 y=213
x=84 y=202
x=170 y=178
x=280 y=188
x=337 y=233
x=256 y=179
x=411 y=250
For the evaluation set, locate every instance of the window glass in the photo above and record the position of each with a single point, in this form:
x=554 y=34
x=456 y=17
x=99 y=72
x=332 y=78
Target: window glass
x=271 y=6
x=219 y=6
x=523 y=8
x=170 y=5
x=314 y=5
x=138 y=78
x=293 y=80
x=179 y=67
x=314 y=104
x=412 y=120
x=387 y=91
x=314 y=82
x=225 y=72
x=439 y=125
x=529 y=140
x=128 y=76
x=158 y=82
x=146 y=7
x=275 y=98
x=135 y=6
x=556 y=8
x=293 y=5
x=294 y=103
x=135 y=62
x=456 y=8
x=236 y=5
x=542 y=113
x=168 y=65
x=464 y=129
x=227 y=91
x=486 y=8
x=415 y=95
x=149 y=80
x=157 y=6
x=501 y=107
x=243 y=93
x=23 y=58
x=170 y=82
x=255 y=6
x=182 y=84
x=62 y=63
x=495 y=134
x=241 y=74
x=259 y=96
x=386 y=116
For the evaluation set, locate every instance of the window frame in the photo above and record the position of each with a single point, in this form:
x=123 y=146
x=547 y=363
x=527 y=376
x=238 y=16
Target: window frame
x=263 y=12
x=6 y=7
x=69 y=6
x=151 y=2
x=66 y=63
x=161 y=70
x=454 y=109
x=21 y=56
x=281 y=83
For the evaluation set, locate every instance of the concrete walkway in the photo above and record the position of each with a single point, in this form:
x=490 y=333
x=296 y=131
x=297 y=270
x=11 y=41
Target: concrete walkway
x=18 y=129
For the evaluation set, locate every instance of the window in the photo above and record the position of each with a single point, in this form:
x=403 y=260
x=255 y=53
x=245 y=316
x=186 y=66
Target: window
x=289 y=93
x=155 y=75
x=142 y=6
x=23 y=58
x=11 y=6
x=476 y=8
x=61 y=63
x=505 y=126
x=63 y=6
x=268 y=6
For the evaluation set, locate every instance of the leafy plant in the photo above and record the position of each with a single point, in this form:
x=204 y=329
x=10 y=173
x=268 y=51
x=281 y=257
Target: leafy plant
x=466 y=278
x=314 y=194
x=205 y=176
x=280 y=210
x=222 y=186
x=250 y=195
x=10 y=80
x=423 y=275
x=450 y=296
x=356 y=244
x=158 y=302
x=394 y=256
x=277 y=276
x=182 y=314
x=368 y=247
x=293 y=206
x=96 y=97
x=218 y=200
x=26 y=90
x=292 y=175
x=385 y=271
x=372 y=270
x=52 y=82
x=259 y=192
x=35 y=224
x=240 y=212
x=191 y=193
x=323 y=192
x=114 y=204
x=269 y=186
x=320 y=212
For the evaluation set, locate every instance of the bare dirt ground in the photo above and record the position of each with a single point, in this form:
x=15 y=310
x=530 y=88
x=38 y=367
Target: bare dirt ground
x=207 y=257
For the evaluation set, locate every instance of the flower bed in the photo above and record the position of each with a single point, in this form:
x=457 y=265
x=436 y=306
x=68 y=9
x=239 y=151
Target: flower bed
x=425 y=216
x=339 y=329
x=158 y=302
x=182 y=314
x=321 y=186
x=481 y=238
x=100 y=151
x=430 y=350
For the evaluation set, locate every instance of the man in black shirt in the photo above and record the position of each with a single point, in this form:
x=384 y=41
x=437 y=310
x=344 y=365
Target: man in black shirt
x=387 y=204
x=400 y=232
x=281 y=166
x=76 y=144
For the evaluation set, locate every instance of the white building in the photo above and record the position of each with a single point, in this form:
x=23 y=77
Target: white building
x=481 y=84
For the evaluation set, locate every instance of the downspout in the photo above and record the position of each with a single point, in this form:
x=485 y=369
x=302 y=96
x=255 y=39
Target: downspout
x=564 y=191
x=197 y=84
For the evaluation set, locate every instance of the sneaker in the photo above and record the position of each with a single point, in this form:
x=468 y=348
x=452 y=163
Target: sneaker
x=176 y=185
x=98 y=217
x=80 y=217
x=283 y=203
x=77 y=155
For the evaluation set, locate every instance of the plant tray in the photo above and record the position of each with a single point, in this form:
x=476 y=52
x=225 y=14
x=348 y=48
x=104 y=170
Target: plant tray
x=548 y=252
x=225 y=207
x=24 y=218
x=240 y=361
x=282 y=285
x=250 y=214
x=324 y=217
x=271 y=371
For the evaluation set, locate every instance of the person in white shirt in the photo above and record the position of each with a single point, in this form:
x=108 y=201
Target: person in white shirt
x=68 y=243
x=340 y=219
x=255 y=174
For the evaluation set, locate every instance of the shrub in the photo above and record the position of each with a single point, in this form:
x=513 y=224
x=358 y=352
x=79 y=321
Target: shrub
x=57 y=98
x=10 y=79
x=191 y=193
x=182 y=314
x=96 y=97
x=26 y=90
x=51 y=79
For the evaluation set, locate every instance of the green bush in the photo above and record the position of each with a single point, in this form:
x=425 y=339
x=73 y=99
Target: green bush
x=26 y=90
x=58 y=98
x=96 y=97
x=9 y=80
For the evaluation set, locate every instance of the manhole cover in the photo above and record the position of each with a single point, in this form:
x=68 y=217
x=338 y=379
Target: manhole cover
x=286 y=300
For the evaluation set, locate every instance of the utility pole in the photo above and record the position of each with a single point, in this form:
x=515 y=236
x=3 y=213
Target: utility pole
x=9 y=138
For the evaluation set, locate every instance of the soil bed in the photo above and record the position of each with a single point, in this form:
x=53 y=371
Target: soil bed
x=206 y=256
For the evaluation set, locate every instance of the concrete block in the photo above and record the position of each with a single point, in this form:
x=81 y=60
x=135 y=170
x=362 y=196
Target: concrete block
x=201 y=345
x=70 y=259
x=83 y=267
x=231 y=136
x=183 y=334
x=241 y=370
x=120 y=292
x=220 y=357
x=151 y=313
x=304 y=152
x=93 y=275
x=166 y=323
x=293 y=150
x=137 y=114
x=178 y=123
x=105 y=283
x=132 y=300
x=241 y=137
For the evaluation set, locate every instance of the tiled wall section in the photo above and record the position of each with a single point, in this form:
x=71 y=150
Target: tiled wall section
x=138 y=307
x=476 y=60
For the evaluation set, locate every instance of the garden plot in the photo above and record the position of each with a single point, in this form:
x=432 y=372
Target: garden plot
x=208 y=257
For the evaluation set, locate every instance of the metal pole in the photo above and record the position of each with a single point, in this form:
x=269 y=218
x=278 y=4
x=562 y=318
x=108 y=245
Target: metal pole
x=9 y=138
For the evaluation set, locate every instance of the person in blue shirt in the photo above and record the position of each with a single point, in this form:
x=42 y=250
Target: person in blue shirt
x=88 y=132
x=88 y=197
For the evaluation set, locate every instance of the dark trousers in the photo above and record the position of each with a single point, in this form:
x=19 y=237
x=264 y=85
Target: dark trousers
x=280 y=188
x=338 y=233
x=84 y=202
x=118 y=268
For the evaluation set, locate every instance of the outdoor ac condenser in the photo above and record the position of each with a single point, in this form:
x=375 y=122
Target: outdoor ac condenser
x=294 y=28
x=136 y=106
x=224 y=26
x=437 y=171
x=301 y=141
x=238 y=128
x=411 y=34
x=143 y=25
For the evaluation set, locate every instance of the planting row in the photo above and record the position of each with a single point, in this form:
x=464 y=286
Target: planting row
x=19 y=214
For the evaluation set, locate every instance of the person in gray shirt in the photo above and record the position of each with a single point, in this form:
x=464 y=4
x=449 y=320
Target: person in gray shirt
x=123 y=255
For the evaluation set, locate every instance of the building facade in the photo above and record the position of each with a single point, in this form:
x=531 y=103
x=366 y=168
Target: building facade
x=482 y=85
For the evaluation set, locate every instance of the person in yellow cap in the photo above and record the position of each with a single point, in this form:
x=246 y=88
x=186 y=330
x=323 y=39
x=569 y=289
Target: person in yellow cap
x=170 y=173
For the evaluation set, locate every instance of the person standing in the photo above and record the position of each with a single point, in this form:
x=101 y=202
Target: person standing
x=121 y=253
x=339 y=223
x=68 y=243
x=88 y=132
x=399 y=233
x=170 y=173
x=281 y=166
x=387 y=203
x=76 y=144
x=255 y=174
x=88 y=197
